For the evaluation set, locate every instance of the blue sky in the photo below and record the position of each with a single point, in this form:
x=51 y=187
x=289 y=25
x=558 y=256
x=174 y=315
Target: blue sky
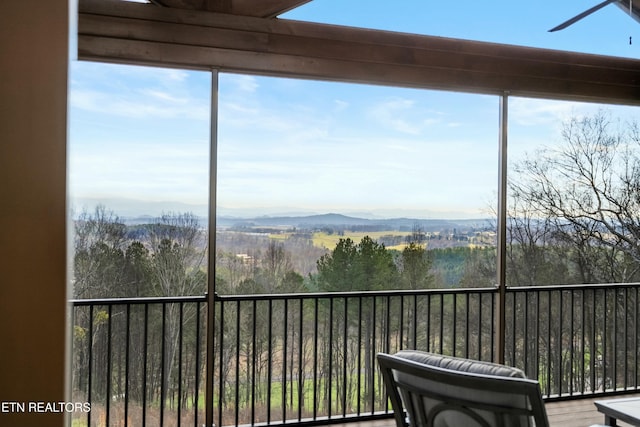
x=139 y=137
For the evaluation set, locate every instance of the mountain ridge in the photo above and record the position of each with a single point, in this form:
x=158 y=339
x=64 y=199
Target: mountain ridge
x=341 y=220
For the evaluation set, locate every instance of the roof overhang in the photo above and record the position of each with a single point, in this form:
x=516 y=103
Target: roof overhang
x=631 y=7
x=116 y=31
x=256 y=8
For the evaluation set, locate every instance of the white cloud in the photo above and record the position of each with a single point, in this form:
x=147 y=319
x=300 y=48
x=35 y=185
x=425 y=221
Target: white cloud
x=340 y=105
x=143 y=103
x=139 y=92
x=239 y=82
x=544 y=112
x=405 y=115
x=392 y=114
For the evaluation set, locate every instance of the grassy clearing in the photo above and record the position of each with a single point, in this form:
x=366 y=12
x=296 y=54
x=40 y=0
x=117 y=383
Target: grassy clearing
x=330 y=241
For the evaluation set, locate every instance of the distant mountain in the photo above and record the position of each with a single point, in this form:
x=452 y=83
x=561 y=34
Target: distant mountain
x=335 y=220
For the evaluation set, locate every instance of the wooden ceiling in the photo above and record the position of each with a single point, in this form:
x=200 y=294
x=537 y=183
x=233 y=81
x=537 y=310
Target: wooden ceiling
x=188 y=34
x=256 y=8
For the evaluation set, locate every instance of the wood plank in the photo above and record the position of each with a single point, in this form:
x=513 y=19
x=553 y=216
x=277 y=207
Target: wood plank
x=578 y=412
x=150 y=35
x=567 y=413
x=194 y=57
x=264 y=8
x=256 y=8
x=635 y=8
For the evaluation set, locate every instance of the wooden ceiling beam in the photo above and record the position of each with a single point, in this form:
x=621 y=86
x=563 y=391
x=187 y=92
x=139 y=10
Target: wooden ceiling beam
x=264 y=8
x=255 y=8
x=143 y=34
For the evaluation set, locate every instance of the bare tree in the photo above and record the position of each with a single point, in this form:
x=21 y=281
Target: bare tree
x=589 y=186
x=99 y=243
x=576 y=218
x=179 y=249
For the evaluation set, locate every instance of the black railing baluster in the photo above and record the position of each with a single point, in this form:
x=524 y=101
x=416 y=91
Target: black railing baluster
x=550 y=351
x=614 y=375
x=371 y=361
x=559 y=341
x=583 y=324
x=90 y=364
x=329 y=379
x=221 y=343
x=625 y=313
x=414 y=329
x=359 y=357
x=400 y=343
x=492 y=335
x=254 y=343
x=285 y=345
x=454 y=324
x=441 y=339
x=145 y=364
x=345 y=354
x=480 y=323
x=126 y=369
x=387 y=324
x=514 y=327
x=428 y=326
x=180 y=339
x=236 y=415
x=571 y=341
x=537 y=340
x=301 y=375
x=163 y=361
x=316 y=321
x=594 y=354
x=270 y=361
x=467 y=324
x=525 y=328
x=196 y=393
x=605 y=357
x=109 y=368
x=636 y=323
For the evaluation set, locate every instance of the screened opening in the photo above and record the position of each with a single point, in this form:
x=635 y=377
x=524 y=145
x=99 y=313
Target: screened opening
x=310 y=171
x=139 y=180
x=573 y=193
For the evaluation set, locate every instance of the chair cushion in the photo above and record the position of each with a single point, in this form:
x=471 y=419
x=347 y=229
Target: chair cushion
x=459 y=364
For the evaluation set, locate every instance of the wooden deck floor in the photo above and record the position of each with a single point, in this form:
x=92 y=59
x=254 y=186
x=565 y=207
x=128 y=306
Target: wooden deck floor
x=578 y=413
x=570 y=413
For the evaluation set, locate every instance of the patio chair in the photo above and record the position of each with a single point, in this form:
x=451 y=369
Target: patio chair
x=430 y=390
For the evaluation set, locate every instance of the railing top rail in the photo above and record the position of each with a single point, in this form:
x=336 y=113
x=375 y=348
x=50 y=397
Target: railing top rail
x=356 y=294
x=571 y=287
x=338 y=295
x=138 y=300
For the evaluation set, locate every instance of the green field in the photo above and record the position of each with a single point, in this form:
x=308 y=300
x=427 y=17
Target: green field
x=329 y=241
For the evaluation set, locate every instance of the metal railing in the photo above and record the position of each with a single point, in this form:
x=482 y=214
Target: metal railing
x=576 y=340
x=310 y=358
x=139 y=361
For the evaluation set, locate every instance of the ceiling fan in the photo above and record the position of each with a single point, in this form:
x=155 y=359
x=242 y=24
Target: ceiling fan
x=626 y=5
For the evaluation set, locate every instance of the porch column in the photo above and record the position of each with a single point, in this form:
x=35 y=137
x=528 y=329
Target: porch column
x=211 y=287
x=502 y=226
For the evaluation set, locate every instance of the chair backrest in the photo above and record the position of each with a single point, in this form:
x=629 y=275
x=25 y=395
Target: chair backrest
x=430 y=390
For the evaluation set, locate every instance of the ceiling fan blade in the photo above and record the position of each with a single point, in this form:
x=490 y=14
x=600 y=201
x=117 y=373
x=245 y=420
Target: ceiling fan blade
x=582 y=15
